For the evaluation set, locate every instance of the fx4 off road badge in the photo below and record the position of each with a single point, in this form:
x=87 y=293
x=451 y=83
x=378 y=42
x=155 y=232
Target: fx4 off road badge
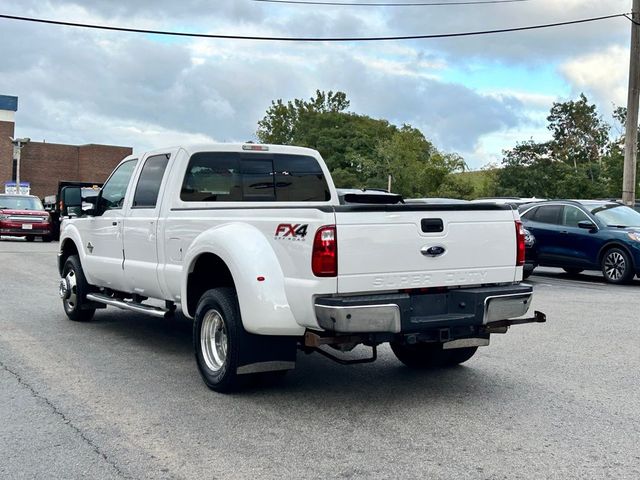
x=290 y=231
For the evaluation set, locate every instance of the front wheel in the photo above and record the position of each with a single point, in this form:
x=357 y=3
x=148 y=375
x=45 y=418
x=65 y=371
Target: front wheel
x=73 y=289
x=431 y=355
x=616 y=266
x=217 y=338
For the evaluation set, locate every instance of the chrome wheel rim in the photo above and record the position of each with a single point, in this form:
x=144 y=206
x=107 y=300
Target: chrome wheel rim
x=213 y=340
x=614 y=266
x=69 y=291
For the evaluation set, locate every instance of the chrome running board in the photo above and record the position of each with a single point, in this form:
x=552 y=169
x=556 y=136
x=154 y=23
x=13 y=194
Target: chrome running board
x=128 y=305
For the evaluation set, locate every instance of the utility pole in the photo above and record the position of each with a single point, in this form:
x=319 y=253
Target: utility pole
x=18 y=143
x=631 y=133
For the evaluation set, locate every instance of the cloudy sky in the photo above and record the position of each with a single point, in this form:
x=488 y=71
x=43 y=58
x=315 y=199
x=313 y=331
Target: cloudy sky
x=473 y=95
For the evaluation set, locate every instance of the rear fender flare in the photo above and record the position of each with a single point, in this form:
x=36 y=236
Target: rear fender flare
x=249 y=257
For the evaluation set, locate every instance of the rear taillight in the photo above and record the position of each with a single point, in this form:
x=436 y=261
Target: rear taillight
x=324 y=259
x=520 y=244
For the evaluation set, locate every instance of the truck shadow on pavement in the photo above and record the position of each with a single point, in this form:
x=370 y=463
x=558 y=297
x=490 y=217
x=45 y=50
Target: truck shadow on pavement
x=315 y=378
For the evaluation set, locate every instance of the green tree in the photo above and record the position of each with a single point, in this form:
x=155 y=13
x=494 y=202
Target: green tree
x=360 y=151
x=575 y=163
x=280 y=124
x=580 y=136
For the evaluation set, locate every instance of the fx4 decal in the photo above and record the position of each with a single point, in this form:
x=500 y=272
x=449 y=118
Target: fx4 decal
x=291 y=231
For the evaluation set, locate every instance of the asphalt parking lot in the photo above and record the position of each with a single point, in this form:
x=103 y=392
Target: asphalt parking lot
x=120 y=397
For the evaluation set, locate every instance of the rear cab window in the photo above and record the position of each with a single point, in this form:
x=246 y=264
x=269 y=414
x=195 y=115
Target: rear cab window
x=253 y=177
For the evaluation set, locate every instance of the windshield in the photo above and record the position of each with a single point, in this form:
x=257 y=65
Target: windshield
x=20 y=202
x=614 y=215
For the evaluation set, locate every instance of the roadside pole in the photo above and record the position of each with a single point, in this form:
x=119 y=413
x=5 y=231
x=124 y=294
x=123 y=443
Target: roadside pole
x=631 y=133
x=18 y=150
x=18 y=143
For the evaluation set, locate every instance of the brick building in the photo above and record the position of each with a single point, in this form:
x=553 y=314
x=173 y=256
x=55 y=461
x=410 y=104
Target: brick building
x=43 y=164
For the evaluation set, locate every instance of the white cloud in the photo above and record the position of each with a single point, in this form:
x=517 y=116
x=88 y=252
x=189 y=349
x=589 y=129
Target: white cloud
x=93 y=86
x=603 y=75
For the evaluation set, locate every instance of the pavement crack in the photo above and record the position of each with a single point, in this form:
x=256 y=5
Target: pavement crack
x=66 y=420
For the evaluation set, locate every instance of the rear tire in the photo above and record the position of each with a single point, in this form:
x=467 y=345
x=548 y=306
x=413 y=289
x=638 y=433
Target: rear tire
x=30 y=238
x=46 y=239
x=73 y=289
x=616 y=266
x=431 y=355
x=218 y=338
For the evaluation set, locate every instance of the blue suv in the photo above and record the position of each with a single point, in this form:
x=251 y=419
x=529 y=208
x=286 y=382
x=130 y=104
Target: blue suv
x=586 y=235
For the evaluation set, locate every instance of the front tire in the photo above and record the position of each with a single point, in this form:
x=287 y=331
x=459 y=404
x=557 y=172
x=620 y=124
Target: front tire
x=616 y=266
x=73 y=289
x=218 y=338
x=431 y=355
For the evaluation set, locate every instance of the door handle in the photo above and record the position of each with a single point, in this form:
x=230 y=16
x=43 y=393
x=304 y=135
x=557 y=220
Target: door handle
x=564 y=232
x=114 y=223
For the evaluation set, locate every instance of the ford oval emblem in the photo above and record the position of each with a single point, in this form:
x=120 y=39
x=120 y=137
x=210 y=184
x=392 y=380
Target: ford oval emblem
x=434 y=251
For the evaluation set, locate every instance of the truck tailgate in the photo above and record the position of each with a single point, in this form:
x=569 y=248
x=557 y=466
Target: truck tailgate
x=394 y=247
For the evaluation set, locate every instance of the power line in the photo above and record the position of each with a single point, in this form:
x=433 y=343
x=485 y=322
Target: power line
x=401 y=4
x=628 y=17
x=309 y=39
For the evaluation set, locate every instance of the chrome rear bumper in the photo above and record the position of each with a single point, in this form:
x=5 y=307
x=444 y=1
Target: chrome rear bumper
x=418 y=311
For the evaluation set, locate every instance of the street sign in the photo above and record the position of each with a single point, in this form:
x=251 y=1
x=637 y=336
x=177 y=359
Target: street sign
x=12 y=188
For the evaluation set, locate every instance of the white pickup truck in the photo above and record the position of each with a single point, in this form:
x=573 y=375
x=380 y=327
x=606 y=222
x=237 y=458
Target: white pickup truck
x=254 y=243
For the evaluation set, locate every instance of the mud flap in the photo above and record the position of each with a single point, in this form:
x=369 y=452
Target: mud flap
x=267 y=353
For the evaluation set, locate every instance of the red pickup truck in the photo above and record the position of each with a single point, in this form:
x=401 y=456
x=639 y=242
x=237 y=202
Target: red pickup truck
x=24 y=216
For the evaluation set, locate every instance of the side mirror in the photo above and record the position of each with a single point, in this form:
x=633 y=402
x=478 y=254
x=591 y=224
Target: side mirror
x=71 y=198
x=73 y=205
x=587 y=225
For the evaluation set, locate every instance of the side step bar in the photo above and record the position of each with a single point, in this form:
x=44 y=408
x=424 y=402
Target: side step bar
x=127 y=305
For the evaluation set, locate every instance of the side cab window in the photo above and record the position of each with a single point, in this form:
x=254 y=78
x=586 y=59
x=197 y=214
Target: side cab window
x=113 y=192
x=572 y=215
x=529 y=214
x=149 y=181
x=549 y=214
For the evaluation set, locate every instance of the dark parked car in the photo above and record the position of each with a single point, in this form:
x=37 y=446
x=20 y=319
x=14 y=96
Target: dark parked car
x=531 y=254
x=586 y=235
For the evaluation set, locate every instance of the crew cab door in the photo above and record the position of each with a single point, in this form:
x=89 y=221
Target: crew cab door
x=102 y=233
x=141 y=228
